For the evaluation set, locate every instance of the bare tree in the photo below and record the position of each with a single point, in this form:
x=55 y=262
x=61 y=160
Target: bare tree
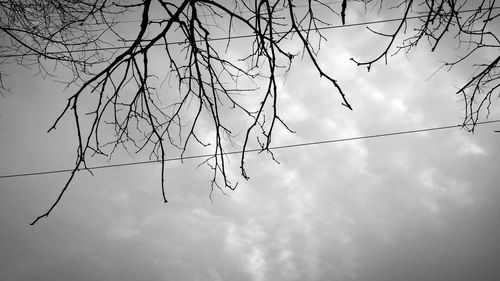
x=212 y=77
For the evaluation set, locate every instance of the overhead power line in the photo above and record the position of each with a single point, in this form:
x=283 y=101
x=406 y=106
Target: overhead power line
x=229 y=38
x=303 y=144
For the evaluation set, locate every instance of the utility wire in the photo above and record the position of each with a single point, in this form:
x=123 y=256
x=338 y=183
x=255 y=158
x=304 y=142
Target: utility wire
x=230 y=37
x=303 y=144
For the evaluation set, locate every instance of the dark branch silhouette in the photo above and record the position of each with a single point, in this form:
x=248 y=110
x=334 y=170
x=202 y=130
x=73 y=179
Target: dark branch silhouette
x=472 y=26
x=209 y=76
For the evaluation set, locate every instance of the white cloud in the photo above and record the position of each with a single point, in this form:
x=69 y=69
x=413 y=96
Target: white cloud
x=334 y=211
x=437 y=192
x=257 y=264
x=469 y=147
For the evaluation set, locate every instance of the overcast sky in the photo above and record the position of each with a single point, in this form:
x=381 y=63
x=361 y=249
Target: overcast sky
x=421 y=206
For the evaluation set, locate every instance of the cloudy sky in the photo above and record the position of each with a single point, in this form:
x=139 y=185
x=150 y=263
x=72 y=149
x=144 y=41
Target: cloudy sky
x=421 y=206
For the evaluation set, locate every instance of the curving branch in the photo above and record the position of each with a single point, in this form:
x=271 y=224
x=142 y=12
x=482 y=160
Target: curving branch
x=147 y=117
x=472 y=27
x=122 y=100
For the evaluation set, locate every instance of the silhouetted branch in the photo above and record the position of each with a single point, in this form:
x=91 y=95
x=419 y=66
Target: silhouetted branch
x=125 y=96
x=119 y=101
x=471 y=26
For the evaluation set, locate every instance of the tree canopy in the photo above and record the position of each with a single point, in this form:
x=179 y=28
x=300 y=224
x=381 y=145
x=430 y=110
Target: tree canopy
x=206 y=78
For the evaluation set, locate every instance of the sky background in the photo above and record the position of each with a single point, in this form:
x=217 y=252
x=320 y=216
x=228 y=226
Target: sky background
x=411 y=207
